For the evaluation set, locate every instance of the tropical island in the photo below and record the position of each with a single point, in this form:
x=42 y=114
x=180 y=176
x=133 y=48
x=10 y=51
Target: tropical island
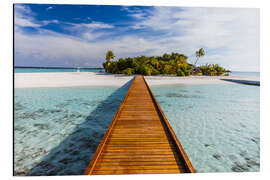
x=168 y=64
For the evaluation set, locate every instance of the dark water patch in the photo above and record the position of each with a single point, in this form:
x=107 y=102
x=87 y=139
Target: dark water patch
x=62 y=105
x=255 y=140
x=72 y=116
x=47 y=111
x=206 y=145
x=251 y=163
x=173 y=95
x=90 y=103
x=78 y=101
x=18 y=107
x=183 y=90
x=42 y=126
x=243 y=154
x=242 y=125
x=217 y=156
x=36 y=114
x=161 y=102
x=29 y=115
x=19 y=128
x=75 y=100
x=54 y=111
x=244 y=166
x=42 y=111
x=87 y=104
x=239 y=167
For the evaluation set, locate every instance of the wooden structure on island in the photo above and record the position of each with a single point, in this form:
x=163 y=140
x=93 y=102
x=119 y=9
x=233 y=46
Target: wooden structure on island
x=140 y=139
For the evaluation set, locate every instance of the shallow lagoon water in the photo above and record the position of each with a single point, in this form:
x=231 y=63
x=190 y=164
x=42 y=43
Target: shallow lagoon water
x=57 y=130
x=218 y=125
x=47 y=70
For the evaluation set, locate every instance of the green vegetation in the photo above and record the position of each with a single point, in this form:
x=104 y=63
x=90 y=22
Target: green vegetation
x=109 y=56
x=174 y=64
x=212 y=69
x=199 y=54
x=169 y=64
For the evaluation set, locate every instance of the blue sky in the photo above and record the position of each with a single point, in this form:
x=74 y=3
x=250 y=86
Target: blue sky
x=80 y=35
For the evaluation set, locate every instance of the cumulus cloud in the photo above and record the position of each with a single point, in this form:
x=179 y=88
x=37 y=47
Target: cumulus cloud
x=56 y=49
x=233 y=33
x=88 y=31
x=24 y=17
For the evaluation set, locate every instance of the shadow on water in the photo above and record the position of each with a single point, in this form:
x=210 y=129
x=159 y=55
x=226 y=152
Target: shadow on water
x=73 y=154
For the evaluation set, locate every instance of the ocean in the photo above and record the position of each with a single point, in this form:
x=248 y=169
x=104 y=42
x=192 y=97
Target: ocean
x=57 y=130
x=250 y=74
x=46 y=70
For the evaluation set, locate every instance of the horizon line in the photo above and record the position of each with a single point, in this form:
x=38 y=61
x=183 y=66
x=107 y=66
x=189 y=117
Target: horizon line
x=57 y=67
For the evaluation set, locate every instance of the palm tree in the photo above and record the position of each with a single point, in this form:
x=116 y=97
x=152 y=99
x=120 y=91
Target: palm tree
x=109 y=56
x=199 y=54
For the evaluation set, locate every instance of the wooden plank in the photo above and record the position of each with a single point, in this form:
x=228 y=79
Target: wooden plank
x=135 y=163
x=139 y=139
x=159 y=171
x=137 y=167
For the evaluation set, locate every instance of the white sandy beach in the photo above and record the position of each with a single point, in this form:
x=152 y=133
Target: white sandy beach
x=73 y=79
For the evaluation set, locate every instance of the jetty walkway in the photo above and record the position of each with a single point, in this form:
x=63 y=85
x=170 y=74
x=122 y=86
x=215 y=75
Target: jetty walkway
x=140 y=139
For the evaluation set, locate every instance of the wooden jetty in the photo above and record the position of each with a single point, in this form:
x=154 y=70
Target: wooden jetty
x=140 y=139
x=243 y=81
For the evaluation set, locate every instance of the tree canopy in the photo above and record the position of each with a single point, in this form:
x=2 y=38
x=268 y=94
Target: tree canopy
x=173 y=63
x=109 y=55
x=199 y=54
x=170 y=64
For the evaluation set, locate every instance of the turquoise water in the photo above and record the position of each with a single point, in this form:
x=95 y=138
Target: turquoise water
x=57 y=130
x=239 y=73
x=38 y=70
x=218 y=125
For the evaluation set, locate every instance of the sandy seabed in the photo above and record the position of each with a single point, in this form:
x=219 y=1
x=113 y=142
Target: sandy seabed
x=73 y=79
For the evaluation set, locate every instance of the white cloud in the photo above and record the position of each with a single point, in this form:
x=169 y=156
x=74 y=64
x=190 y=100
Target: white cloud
x=98 y=25
x=53 y=48
x=23 y=22
x=138 y=15
x=135 y=12
x=22 y=9
x=24 y=17
x=90 y=26
x=48 y=8
x=234 y=31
